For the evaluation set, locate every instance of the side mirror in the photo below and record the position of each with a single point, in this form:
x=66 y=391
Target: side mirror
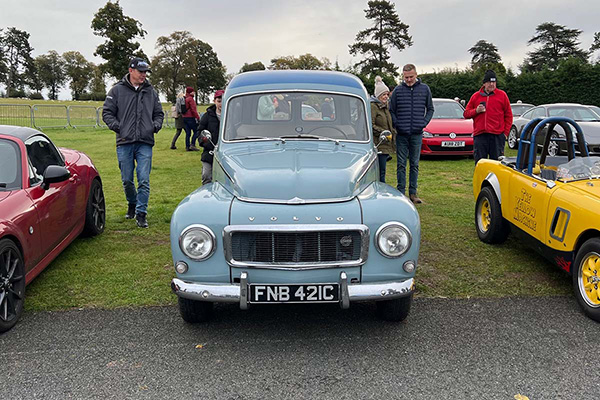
x=384 y=137
x=206 y=134
x=54 y=174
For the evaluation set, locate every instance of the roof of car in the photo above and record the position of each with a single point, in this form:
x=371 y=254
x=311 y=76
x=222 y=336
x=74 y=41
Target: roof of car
x=295 y=79
x=440 y=99
x=19 y=132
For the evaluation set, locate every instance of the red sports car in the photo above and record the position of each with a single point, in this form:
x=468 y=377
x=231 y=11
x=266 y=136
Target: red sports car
x=48 y=196
x=448 y=132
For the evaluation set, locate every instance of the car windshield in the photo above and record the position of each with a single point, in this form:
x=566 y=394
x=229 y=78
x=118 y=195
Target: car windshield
x=579 y=168
x=576 y=113
x=447 y=109
x=10 y=177
x=596 y=110
x=519 y=109
x=295 y=115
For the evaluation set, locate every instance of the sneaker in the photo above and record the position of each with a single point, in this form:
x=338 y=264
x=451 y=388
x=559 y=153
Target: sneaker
x=415 y=199
x=193 y=148
x=130 y=212
x=140 y=218
x=173 y=147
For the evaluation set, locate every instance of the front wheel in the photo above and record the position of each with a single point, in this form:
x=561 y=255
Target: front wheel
x=95 y=211
x=394 y=310
x=491 y=226
x=194 y=311
x=512 y=138
x=12 y=284
x=586 y=278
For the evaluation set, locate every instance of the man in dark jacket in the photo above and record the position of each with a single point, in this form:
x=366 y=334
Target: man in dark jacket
x=211 y=120
x=492 y=119
x=132 y=110
x=411 y=107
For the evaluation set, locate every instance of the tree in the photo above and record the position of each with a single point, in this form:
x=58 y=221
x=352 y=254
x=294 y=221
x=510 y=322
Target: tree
x=256 y=66
x=209 y=72
x=51 y=72
x=557 y=43
x=305 y=61
x=174 y=64
x=596 y=44
x=484 y=53
x=387 y=31
x=120 y=30
x=77 y=70
x=97 y=85
x=17 y=60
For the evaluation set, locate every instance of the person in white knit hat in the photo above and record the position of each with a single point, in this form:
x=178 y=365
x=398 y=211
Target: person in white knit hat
x=382 y=121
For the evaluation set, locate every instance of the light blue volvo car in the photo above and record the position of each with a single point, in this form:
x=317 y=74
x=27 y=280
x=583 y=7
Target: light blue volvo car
x=295 y=213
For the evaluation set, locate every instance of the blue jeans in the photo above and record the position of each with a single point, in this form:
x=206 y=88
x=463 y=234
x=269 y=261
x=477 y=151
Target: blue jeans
x=382 y=159
x=408 y=146
x=190 y=125
x=129 y=155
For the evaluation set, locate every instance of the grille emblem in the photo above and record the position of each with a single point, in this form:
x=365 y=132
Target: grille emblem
x=346 y=241
x=452 y=135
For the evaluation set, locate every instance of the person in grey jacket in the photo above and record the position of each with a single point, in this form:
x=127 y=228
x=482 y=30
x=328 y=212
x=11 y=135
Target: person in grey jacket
x=133 y=111
x=411 y=107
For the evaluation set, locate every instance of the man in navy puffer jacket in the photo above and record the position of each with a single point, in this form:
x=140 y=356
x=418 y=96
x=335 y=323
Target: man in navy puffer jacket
x=411 y=107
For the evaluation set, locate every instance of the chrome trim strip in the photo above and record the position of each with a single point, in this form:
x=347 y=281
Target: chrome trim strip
x=493 y=180
x=295 y=201
x=364 y=246
x=231 y=293
x=556 y=215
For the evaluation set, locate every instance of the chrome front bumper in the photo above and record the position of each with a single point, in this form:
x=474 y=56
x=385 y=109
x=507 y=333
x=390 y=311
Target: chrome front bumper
x=238 y=293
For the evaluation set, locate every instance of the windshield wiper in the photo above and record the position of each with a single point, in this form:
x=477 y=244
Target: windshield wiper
x=253 y=138
x=301 y=136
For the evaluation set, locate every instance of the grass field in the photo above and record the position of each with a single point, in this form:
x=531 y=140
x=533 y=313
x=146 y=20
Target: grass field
x=128 y=266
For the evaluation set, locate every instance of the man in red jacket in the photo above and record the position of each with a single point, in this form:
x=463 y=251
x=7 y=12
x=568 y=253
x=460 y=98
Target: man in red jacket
x=492 y=119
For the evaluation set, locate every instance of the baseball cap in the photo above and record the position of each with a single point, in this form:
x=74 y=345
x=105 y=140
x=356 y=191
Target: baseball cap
x=140 y=64
x=219 y=93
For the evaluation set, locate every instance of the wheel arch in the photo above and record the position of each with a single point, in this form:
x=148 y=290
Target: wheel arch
x=584 y=237
x=16 y=242
x=492 y=181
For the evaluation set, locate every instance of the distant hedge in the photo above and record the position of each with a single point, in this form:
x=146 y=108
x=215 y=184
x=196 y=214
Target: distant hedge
x=574 y=81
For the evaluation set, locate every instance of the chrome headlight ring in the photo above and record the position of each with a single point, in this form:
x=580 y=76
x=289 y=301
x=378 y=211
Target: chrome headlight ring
x=197 y=242
x=393 y=239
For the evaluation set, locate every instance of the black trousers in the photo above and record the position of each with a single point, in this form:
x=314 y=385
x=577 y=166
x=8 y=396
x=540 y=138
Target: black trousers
x=488 y=145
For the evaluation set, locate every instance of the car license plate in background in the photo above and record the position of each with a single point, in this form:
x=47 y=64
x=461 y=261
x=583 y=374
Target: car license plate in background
x=318 y=293
x=456 y=143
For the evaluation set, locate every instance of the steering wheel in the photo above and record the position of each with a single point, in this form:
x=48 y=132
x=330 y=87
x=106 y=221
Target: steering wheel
x=330 y=127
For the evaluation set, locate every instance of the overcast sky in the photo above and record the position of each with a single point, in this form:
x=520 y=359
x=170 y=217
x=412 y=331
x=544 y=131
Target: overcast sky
x=243 y=31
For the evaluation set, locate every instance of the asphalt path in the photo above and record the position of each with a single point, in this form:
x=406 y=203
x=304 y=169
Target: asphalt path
x=535 y=348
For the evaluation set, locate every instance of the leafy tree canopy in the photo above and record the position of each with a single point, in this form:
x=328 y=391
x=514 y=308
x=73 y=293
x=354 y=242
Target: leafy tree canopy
x=387 y=31
x=305 y=61
x=15 y=58
x=51 y=72
x=255 y=66
x=484 y=54
x=77 y=70
x=120 y=30
x=557 y=42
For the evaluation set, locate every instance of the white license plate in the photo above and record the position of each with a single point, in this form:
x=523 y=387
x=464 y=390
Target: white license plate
x=455 y=143
x=311 y=293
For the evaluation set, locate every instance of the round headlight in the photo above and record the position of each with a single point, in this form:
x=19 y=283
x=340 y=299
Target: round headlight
x=197 y=242
x=393 y=239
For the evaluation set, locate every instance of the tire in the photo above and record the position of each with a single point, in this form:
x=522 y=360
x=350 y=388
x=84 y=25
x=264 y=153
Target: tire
x=12 y=284
x=512 y=141
x=491 y=226
x=194 y=311
x=586 y=278
x=95 y=211
x=394 y=310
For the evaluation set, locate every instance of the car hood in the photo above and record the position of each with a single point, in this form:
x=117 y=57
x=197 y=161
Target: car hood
x=295 y=171
x=4 y=195
x=445 y=126
x=591 y=131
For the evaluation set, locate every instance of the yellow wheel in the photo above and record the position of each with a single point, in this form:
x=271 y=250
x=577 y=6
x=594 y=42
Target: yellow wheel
x=586 y=278
x=491 y=227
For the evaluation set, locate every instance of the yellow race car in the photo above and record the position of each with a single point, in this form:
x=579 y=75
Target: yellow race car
x=553 y=203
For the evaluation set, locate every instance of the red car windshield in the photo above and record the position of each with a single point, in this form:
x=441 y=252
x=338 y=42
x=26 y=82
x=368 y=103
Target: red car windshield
x=447 y=110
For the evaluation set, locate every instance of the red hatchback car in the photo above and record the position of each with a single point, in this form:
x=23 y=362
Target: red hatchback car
x=48 y=196
x=448 y=132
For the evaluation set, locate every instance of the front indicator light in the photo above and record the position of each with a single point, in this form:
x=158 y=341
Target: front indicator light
x=181 y=267
x=409 y=267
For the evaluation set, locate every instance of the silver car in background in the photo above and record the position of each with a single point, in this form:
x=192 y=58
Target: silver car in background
x=583 y=115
